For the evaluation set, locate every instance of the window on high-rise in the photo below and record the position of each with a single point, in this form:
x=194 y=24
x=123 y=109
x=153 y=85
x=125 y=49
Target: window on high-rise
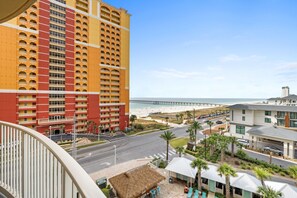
x=268 y=113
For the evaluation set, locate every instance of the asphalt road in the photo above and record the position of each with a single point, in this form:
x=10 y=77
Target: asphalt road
x=98 y=157
x=128 y=148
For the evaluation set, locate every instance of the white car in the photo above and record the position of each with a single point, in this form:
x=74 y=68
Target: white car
x=243 y=142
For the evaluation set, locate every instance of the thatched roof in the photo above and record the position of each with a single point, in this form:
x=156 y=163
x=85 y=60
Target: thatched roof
x=136 y=182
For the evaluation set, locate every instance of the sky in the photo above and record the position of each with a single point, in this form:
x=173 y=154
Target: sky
x=212 y=48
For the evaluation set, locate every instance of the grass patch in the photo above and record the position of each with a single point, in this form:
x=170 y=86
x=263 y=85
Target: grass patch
x=179 y=142
x=146 y=126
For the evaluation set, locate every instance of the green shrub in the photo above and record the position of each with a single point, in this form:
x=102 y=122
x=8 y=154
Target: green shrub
x=139 y=126
x=283 y=174
x=219 y=195
x=105 y=192
x=241 y=154
x=190 y=152
x=162 y=164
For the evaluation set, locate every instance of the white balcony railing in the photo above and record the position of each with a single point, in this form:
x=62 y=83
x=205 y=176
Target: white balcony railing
x=33 y=166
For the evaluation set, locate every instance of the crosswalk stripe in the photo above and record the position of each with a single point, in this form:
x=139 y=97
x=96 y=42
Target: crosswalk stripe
x=160 y=155
x=156 y=156
x=169 y=154
x=151 y=156
x=172 y=152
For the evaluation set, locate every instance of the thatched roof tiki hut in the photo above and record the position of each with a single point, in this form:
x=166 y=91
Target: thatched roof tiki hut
x=136 y=182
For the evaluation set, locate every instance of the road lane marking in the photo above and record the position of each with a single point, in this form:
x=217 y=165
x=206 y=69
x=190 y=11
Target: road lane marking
x=105 y=163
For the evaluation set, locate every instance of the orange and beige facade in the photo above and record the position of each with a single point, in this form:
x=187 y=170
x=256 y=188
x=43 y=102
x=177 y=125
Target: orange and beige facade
x=66 y=59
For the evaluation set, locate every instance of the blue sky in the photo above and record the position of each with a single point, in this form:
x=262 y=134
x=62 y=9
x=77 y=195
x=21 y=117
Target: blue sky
x=212 y=48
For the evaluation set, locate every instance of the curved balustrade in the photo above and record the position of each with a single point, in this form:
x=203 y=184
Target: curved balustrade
x=32 y=166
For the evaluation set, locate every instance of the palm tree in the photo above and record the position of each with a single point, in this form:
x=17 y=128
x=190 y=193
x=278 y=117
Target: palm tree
x=191 y=133
x=200 y=164
x=181 y=115
x=167 y=136
x=227 y=171
x=293 y=172
x=167 y=118
x=213 y=143
x=179 y=150
x=196 y=126
x=177 y=116
x=132 y=119
x=262 y=174
x=223 y=143
x=209 y=123
x=189 y=115
x=233 y=143
x=269 y=192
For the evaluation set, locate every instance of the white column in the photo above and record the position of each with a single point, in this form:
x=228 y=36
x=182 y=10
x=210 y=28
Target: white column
x=291 y=150
x=285 y=149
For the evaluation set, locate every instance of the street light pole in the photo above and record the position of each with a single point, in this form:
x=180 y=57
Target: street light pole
x=115 y=154
x=74 y=138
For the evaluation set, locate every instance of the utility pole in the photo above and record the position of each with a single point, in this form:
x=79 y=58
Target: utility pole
x=74 y=138
x=99 y=131
x=115 y=154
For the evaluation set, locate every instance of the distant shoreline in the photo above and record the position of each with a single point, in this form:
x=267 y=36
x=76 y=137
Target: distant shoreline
x=143 y=110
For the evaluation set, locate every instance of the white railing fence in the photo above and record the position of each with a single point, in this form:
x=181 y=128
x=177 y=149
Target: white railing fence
x=32 y=166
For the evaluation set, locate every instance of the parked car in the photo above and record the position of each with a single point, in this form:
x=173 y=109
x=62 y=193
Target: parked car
x=102 y=182
x=243 y=142
x=273 y=149
x=219 y=122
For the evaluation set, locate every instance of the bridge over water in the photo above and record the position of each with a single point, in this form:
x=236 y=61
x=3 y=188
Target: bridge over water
x=176 y=103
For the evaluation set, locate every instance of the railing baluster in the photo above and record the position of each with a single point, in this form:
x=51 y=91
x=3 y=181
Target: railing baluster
x=17 y=163
x=5 y=159
x=33 y=167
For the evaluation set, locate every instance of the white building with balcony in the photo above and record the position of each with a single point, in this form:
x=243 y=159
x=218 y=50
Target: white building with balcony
x=266 y=125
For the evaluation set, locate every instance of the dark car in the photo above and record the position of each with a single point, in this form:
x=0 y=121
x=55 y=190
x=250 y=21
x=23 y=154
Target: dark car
x=273 y=149
x=102 y=182
x=219 y=122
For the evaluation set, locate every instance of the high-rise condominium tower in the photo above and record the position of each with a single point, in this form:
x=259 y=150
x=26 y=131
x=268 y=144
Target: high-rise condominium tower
x=61 y=60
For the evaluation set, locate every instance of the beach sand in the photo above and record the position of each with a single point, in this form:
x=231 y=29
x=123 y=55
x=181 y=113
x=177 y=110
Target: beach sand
x=144 y=112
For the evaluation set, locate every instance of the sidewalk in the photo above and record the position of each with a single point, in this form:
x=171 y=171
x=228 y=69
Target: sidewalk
x=119 y=168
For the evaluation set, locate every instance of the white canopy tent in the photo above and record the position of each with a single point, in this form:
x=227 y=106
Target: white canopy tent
x=212 y=174
x=246 y=182
x=287 y=190
x=182 y=166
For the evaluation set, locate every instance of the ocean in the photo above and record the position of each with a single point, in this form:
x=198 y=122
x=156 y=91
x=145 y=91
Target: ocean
x=143 y=110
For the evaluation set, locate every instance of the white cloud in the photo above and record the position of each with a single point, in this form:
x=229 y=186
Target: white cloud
x=230 y=58
x=288 y=66
x=219 y=78
x=214 y=68
x=236 y=58
x=173 y=73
